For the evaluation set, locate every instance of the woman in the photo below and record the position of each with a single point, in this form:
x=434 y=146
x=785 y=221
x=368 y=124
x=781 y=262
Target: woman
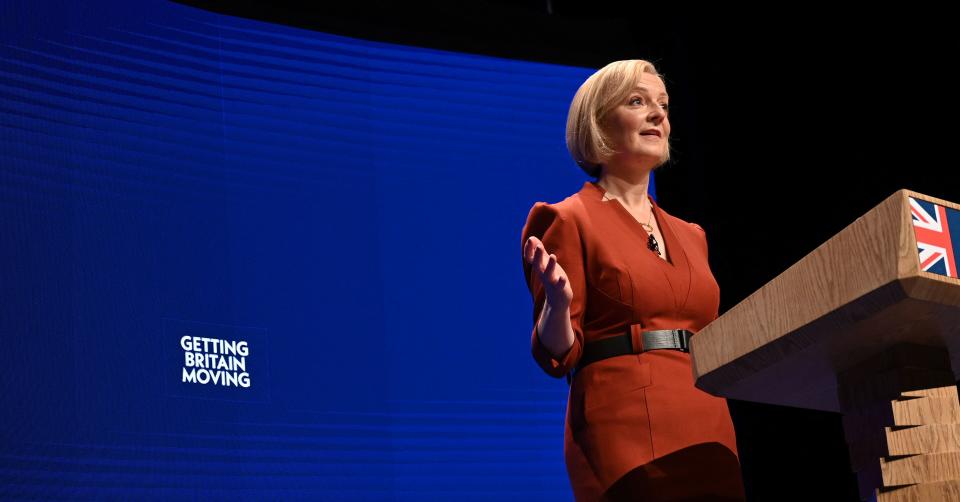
x=619 y=285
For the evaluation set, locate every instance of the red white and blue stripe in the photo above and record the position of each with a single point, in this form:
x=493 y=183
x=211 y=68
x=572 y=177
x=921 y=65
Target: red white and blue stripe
x=937 y=228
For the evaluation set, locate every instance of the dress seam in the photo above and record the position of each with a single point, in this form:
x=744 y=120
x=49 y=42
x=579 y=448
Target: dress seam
x=646 y=404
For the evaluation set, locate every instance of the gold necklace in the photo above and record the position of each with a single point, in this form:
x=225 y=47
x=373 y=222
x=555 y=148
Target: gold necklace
x=652 y=243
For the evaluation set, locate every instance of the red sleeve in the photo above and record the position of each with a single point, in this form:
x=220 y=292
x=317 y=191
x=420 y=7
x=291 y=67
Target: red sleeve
x=560 y=236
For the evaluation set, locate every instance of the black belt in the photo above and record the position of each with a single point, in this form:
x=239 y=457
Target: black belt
x=633 y=342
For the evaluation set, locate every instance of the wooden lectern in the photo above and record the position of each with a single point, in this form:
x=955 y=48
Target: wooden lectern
x=868 y=325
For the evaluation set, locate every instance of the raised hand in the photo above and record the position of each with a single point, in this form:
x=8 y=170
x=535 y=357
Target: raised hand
x=554 y=279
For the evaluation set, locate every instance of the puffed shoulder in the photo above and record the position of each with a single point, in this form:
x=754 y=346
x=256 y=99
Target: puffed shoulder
x=556 y=222
x=541 y=217
x=544 y=213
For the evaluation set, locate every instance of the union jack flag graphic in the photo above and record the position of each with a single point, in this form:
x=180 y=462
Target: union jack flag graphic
x=936 y=228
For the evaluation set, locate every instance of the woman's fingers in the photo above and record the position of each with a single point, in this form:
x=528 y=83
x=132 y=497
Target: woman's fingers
x=551 y=273
x=530 y=248
x=548 y=271
x=535 y=253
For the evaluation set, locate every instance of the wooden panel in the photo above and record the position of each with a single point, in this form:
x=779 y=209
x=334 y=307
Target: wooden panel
x=920 y=468
x=855 y=327
x=854 y=296
x=849 y=265
x=937 y=438
x=943 y=491
x=911 y=440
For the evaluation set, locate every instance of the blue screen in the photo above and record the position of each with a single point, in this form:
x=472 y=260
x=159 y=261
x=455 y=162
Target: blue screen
x=251 y=261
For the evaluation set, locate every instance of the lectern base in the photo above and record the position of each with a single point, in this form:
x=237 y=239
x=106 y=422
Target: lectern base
x=902 y=425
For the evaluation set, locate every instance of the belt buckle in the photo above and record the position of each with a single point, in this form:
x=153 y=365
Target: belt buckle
x=683 y=340
x=636 y=339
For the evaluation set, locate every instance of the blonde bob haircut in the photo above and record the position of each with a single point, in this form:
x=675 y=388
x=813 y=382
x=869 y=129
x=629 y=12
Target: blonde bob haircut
x=603 y=91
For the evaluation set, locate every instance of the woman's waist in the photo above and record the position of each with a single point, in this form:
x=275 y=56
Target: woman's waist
x=635 y=341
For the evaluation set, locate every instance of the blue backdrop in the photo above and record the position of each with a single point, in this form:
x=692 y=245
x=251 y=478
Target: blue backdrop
x=348 y=212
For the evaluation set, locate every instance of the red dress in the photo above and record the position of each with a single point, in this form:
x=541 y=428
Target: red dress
x=634 y=420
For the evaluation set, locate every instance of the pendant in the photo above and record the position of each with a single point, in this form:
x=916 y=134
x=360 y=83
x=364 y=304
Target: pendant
x=653 y=244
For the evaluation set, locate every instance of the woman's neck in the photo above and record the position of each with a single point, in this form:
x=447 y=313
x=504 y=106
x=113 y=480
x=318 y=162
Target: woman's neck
x=632 y=193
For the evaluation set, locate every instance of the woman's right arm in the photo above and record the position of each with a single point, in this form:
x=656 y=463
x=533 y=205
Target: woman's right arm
x=553 y=266
x=555 y=330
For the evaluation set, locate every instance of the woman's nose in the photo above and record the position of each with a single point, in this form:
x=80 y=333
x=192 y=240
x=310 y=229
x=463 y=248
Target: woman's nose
x=658 y=114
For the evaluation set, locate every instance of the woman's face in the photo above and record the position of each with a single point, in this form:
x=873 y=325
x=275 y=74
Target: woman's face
x=639 y=125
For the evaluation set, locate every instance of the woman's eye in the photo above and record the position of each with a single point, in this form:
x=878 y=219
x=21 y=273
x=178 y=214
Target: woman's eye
x=666 y=106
